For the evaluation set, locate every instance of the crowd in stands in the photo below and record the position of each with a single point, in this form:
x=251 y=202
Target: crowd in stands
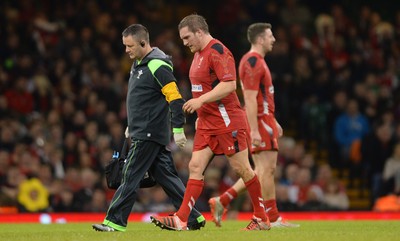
x=64 y=76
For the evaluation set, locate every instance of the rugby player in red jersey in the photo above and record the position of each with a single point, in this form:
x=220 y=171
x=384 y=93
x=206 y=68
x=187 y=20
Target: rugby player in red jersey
x=221 y=124
x=258 y=92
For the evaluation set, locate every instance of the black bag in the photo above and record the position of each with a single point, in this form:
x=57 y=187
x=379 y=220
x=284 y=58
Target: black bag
x=113 y=171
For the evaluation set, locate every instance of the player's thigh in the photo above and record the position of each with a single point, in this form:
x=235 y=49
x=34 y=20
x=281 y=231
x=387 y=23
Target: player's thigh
x=239 y=161
x=265 y=161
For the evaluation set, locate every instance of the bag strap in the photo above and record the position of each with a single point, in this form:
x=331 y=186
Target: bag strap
x=124 y=148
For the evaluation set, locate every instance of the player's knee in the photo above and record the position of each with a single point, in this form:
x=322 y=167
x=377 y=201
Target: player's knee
x=238 y=167
x=194 y=168
x=245 y=173
x=237 y=170
x=268 y=171
x=271 y=171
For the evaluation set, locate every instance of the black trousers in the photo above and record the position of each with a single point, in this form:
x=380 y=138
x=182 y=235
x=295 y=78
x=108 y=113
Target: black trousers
x=146 y=156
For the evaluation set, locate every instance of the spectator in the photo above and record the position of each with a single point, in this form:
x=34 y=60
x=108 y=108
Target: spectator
x=291 y=172
x=391 y=173
x=324 y=175
x=19 y=99
x=337 y=107
x=304 y=192
x=82 y=200
x=282 y=197
x=334 y=196
x=376 y=148
x=350 y=128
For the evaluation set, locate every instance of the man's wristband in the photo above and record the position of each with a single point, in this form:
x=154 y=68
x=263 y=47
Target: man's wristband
x=177 y=130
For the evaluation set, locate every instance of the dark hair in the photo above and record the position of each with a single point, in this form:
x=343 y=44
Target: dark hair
x=138 y=31
x=255 y=30
x=194 y=22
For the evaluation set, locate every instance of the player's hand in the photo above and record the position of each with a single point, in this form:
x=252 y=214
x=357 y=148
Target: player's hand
x=255 y=138
x=126 y=132
x=280 y=130
x=180 y=139
x=192 y=105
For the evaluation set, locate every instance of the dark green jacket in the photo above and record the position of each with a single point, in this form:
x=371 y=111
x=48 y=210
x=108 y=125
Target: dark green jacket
x=153 y=100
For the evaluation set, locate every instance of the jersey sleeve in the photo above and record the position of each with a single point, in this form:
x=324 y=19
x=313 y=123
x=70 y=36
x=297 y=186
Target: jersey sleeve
x=223 y=63
x=162 y=73
x=251 y=73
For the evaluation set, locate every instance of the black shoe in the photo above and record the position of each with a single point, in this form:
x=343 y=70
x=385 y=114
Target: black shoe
x=196 y=225
x=103 y=228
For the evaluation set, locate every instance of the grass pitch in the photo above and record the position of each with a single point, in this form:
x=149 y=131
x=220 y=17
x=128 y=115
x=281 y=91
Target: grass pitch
x=231 y=231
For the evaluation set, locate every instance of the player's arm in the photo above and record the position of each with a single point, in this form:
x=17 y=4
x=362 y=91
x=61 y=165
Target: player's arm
x=220 y=91
x=280 y=130
x=250 y=99
x=250 y=79
x=223 y=64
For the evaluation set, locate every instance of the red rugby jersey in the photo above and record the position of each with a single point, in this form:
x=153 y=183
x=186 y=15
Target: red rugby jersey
x=213 y=64
x=255 y=75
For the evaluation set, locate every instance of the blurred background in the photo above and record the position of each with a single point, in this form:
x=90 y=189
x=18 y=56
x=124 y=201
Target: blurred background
x=63 y=84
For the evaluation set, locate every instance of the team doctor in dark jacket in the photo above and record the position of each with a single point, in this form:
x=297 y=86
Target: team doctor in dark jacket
x=154 y=107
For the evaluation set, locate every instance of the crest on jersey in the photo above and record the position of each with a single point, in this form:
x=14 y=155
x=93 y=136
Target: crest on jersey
x=140 y=72
x=200 y=61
